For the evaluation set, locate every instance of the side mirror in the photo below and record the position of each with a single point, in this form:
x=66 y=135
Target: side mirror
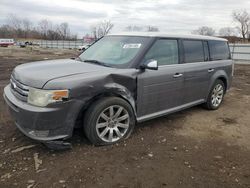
x=150 y=64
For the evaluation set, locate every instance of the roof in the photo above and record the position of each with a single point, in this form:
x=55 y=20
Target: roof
x=166 y=35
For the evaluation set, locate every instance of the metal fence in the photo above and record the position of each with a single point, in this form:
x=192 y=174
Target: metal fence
x=60 y=44
x=240 y=51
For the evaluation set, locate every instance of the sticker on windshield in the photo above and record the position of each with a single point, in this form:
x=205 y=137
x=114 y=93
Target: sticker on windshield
x=133 y=45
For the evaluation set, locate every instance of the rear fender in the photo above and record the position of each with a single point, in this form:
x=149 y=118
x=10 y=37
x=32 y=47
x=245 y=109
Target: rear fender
x=217 y=75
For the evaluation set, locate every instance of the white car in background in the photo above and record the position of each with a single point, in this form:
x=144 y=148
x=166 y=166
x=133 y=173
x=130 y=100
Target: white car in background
x=84 y=47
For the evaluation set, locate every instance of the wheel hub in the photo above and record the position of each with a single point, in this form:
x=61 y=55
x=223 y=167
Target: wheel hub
x=112 y=123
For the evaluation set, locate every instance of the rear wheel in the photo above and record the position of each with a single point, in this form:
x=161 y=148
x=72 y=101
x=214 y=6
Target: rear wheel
x=216 y=95
x=108 y=121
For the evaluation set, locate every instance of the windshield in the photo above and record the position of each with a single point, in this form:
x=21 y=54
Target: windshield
x=114 y=51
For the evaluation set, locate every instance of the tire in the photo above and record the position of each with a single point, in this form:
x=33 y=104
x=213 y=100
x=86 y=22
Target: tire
x=101 y=129
x=215 y=96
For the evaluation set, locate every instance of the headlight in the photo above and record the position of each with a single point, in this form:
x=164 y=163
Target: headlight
x=39 y=97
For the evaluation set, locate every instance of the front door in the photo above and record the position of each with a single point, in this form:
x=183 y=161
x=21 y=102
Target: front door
x=160 y=90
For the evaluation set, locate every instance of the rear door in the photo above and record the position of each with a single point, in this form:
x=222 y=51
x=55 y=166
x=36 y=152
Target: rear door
x=197 y=70
x=160 y=90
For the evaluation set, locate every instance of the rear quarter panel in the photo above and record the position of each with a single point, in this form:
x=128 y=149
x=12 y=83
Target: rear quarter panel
x=223 y=69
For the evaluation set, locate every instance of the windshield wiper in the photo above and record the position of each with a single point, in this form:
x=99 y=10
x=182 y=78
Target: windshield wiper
x=96 y=62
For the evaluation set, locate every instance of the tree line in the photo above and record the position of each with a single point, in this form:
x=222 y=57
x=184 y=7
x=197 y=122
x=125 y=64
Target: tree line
x=23 y=28
x=16 y=27
x=103 y=28
x=241 y=18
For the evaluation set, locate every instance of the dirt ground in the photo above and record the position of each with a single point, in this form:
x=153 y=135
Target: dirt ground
x=192 y=148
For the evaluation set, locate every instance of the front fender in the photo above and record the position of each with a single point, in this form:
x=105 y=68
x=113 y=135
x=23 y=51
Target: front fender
x=120 y=90
x=88 y=88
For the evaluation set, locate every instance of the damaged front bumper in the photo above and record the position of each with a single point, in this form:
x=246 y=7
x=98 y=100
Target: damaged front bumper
x=43 y=124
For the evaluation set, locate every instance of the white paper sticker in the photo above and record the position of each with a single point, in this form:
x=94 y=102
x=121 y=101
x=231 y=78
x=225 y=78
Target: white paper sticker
x=133 y=45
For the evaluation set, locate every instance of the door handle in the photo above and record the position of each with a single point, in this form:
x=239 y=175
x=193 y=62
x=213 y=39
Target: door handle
x=210 y=70
x=177 y=75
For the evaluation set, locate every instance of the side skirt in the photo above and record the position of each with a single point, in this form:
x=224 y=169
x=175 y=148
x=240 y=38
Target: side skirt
x=169 y=111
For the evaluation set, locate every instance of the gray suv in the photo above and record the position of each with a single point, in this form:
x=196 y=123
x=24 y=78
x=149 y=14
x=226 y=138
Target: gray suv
x=120 y=80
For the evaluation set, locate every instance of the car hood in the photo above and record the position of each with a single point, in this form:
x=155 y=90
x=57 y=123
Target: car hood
x=37 y=74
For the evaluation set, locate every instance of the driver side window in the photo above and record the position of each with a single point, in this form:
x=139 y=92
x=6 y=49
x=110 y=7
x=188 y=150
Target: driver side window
x=165 y=51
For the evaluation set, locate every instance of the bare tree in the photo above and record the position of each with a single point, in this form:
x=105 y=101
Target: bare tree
x=228 y=31
x=134 y=28
x=94 y=31
x=44 y=25
x=204 y=30
x=243 y=18
x=6 y=31
x=26 y=25
x=152 y=29
x=64 y=30
x=101 y=29
x=105 y=27
x=137 y=28
x=14 y=22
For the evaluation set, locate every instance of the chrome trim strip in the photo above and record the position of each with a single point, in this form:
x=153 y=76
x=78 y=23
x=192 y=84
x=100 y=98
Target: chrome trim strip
x=19 y=84
x=20 y=90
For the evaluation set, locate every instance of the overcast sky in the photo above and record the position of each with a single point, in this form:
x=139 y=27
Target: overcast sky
x=173 y=16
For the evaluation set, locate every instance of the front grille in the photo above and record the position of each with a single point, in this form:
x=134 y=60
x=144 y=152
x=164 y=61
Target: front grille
x=19 y=90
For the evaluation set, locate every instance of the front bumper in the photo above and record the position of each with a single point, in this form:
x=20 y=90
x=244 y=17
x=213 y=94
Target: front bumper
x=43 y=123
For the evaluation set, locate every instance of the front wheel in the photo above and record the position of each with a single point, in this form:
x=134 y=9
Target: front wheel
x=216 y=95
x=108 y=121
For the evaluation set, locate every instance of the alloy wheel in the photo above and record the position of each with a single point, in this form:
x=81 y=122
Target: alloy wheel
x=112 y=123
x=217 y=95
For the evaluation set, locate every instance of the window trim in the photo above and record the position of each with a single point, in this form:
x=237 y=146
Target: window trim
x=208 y=51
x=184 y=58
x=230 y=55
x=181 y=54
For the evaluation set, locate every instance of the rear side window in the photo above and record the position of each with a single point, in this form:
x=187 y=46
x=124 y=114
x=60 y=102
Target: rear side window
x=193 y=51
x=165 y=51
x=219 y=50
